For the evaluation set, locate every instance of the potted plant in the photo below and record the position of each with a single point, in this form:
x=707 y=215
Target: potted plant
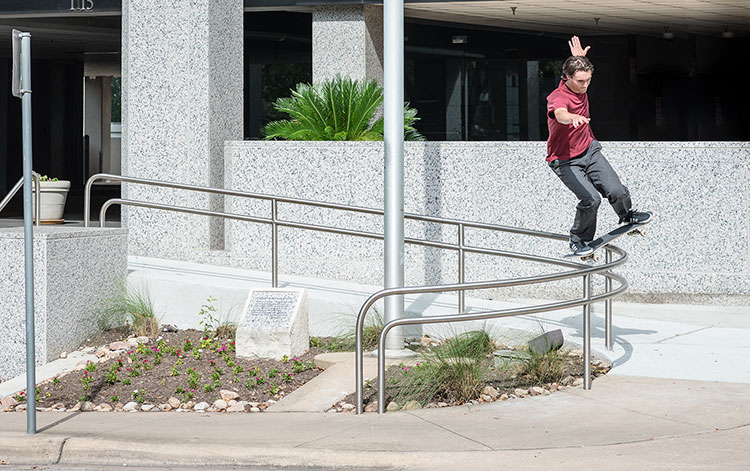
x=53 y=194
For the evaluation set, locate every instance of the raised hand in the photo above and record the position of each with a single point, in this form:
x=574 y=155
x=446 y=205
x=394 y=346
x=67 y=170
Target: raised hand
x=575 y=47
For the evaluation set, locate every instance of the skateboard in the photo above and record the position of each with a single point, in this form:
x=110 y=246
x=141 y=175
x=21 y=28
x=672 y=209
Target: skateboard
x=608 y=238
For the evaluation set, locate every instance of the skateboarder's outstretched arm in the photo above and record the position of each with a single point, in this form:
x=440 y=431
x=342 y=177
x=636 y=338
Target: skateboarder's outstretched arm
x=562 y=115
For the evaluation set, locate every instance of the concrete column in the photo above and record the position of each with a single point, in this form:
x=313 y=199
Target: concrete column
x=182 y=99
x=348 y=40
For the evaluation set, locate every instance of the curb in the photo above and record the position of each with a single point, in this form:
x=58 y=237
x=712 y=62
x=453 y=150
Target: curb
x=21 y=448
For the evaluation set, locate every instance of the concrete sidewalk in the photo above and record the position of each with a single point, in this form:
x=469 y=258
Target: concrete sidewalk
x=622 y=423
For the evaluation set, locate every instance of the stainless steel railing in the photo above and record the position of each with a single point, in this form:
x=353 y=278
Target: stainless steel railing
x=582 y=270
x=275 y=223
x=579 y=269
x=37 y=201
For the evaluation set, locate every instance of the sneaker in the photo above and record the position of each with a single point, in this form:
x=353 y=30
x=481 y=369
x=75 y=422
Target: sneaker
x=580 y=248
x=637 y=217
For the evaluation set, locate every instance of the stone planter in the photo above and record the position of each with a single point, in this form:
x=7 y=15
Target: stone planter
x=53 y=197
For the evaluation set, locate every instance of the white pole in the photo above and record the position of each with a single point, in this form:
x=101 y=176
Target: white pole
x=393 y=111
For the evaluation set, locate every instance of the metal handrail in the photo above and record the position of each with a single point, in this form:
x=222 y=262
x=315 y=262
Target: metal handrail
x=580 y=269
x=37 y=202
x=586 y=301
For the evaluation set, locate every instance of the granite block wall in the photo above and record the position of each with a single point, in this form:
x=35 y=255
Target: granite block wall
x=697 y=250
x=354 y=32
x=182 y=98
x=74 y=270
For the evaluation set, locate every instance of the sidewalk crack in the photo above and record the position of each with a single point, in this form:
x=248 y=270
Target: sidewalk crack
x=59 y=454
x=299 y=445
x=682 y=335
x=451 y=431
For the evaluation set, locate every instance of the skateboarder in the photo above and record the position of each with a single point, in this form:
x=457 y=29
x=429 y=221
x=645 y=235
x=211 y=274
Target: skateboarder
x=574 y=154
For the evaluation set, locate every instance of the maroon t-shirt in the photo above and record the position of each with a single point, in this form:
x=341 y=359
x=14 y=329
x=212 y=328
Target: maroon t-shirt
x=565 y=141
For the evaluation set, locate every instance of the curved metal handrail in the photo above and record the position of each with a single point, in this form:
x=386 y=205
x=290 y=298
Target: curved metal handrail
x=37 y=201
x=586 y=301
x=579 y=269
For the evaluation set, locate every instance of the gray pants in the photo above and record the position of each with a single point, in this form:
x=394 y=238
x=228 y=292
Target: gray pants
x=588 y=176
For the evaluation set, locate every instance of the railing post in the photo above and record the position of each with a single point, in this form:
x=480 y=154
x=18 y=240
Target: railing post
x=608 y=304
x=587 y=332
x=461 y=268
x=274 y=245
x=38 y=202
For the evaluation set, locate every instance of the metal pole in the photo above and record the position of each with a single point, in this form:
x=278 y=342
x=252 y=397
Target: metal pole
x=393 y=109
x=587 y=332
x=274 y=245
x=608 y=304
x=28 y=230
x=461 y=268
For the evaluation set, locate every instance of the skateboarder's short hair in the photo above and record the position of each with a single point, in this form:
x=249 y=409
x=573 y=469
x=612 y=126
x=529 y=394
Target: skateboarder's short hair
x=575 y=63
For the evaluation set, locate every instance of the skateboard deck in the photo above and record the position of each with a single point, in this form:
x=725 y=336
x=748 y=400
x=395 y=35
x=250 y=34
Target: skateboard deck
x=611 y=236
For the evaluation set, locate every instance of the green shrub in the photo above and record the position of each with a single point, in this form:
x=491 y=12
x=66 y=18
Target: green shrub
x=340 y=109
x=545 y=368
x=455 y=371
x=132 y=305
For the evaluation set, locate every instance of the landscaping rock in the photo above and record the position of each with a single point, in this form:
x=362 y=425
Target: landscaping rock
x=189 y=405
x=521 y=392
x=504 y=397
x=76 y=407
x=235 y=406
x=119 y=346
x=490 y=391
x=147 y=407
x=8 y=403
x=567 y=381
x=411 y=405
x=165 y=407
x=130 y=406
x=537 y=391
x=254 y=409
x=220 y=405
x=87 y=406
x=578 y=382
x=392 y=407
x=102 y=352
x=132 y=342
x=485 y=398
x=201 y=406
x=442 y=404
x=227 y=395
x=103 y=408
x=427 y=341
x=142 y=339
x=174 y=402
x=372 y=407
x=58 y=405
x=64 y=355
x=20 y=407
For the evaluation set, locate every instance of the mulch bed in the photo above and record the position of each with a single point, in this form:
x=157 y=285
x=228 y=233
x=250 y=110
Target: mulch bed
x=185 y=365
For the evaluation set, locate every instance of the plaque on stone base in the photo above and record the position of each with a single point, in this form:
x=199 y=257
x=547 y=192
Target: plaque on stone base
x=274 y=323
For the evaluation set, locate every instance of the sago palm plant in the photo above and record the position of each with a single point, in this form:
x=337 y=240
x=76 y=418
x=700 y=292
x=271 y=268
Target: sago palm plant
x=341 y=109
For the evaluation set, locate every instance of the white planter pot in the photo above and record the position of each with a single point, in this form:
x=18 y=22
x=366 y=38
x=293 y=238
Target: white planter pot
x=53 y=196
